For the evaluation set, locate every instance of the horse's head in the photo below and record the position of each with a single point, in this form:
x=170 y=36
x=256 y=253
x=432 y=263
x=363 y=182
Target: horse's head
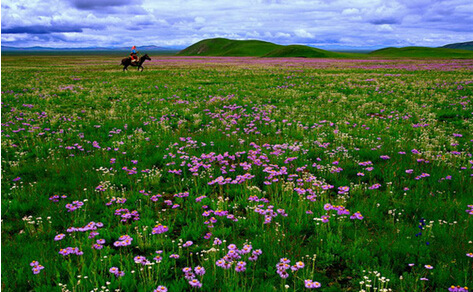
x=146 y=57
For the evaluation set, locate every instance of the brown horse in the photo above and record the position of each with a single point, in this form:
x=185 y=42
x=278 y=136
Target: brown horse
x=127 y=62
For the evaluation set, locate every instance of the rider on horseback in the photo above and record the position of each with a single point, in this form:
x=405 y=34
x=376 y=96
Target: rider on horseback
x=133 y=55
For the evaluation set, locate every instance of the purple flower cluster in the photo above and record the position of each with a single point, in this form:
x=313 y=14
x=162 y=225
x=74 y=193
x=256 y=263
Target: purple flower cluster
x=343 y=190
x=70 y=250
x=256 y=199
x=458 y=289
x=116 y=201
x=283 y=266
x=99 y=244
x=117 y=272
x=74 y=206
x=191 y=277
x=89 y=227
x=422 y=176
x=130 y=171
x=269 y=213
x=158 y=229
x=142 y=260
x=126 y=215
x=375 y=186
x=56 y=198
x=238 y=180
x=365 y=163
x=234 y=255
x=309 y=284
x=341 y=210
x=182 y=195
x=469 y=211
x=36 y=267
x=123 y=240
x=356 y=215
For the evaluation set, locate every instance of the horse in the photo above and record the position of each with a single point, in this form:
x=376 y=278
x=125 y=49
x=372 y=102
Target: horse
x=127 y=62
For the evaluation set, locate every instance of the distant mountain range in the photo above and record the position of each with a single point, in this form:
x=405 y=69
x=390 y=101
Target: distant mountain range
x=257 y=48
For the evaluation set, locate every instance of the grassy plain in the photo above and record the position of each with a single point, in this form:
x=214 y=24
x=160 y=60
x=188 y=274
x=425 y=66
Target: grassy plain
x=358 y=172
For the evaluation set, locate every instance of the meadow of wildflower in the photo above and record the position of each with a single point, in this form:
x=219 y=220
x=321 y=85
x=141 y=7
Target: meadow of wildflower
x=236 y=174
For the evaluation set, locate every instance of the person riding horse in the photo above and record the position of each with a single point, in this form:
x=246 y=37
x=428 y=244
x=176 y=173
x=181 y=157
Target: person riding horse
x=139 y=63
x=134 y=54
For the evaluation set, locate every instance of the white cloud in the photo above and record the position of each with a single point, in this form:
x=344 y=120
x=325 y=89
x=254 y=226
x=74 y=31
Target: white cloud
x=350 y=11
x=199 y=19
x=384 y=27
x=253 y=34
x=282 y=35
x=302 y=33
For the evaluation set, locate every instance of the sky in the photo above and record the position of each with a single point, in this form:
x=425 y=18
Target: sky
x=349 y=24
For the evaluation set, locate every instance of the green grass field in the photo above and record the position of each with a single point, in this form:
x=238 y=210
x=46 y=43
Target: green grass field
x=422 y=52
x=236 y=174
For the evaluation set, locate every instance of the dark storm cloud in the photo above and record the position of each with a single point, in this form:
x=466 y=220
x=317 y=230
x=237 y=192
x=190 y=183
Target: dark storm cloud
x=97 y=4
x=389 y=20
x=41 y=29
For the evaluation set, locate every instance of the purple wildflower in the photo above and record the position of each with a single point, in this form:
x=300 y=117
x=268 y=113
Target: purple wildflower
x=59 y=237
x=188 y=243
x=428 y=267
x=199 y=271
x=195 y=283
x=161 y=289
x=309 y=284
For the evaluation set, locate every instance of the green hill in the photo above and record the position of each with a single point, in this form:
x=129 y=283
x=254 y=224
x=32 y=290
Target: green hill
x=226 y=47
x=421 y=52
x=255 y=48
x=461 y=46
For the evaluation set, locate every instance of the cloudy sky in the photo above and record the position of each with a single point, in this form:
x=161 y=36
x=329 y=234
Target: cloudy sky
x=179 y=23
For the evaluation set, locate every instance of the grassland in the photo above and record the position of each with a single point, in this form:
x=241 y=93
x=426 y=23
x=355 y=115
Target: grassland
x=236 y=174
x=422 y=52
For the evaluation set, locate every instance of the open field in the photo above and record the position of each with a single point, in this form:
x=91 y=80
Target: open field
x=236 y=174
